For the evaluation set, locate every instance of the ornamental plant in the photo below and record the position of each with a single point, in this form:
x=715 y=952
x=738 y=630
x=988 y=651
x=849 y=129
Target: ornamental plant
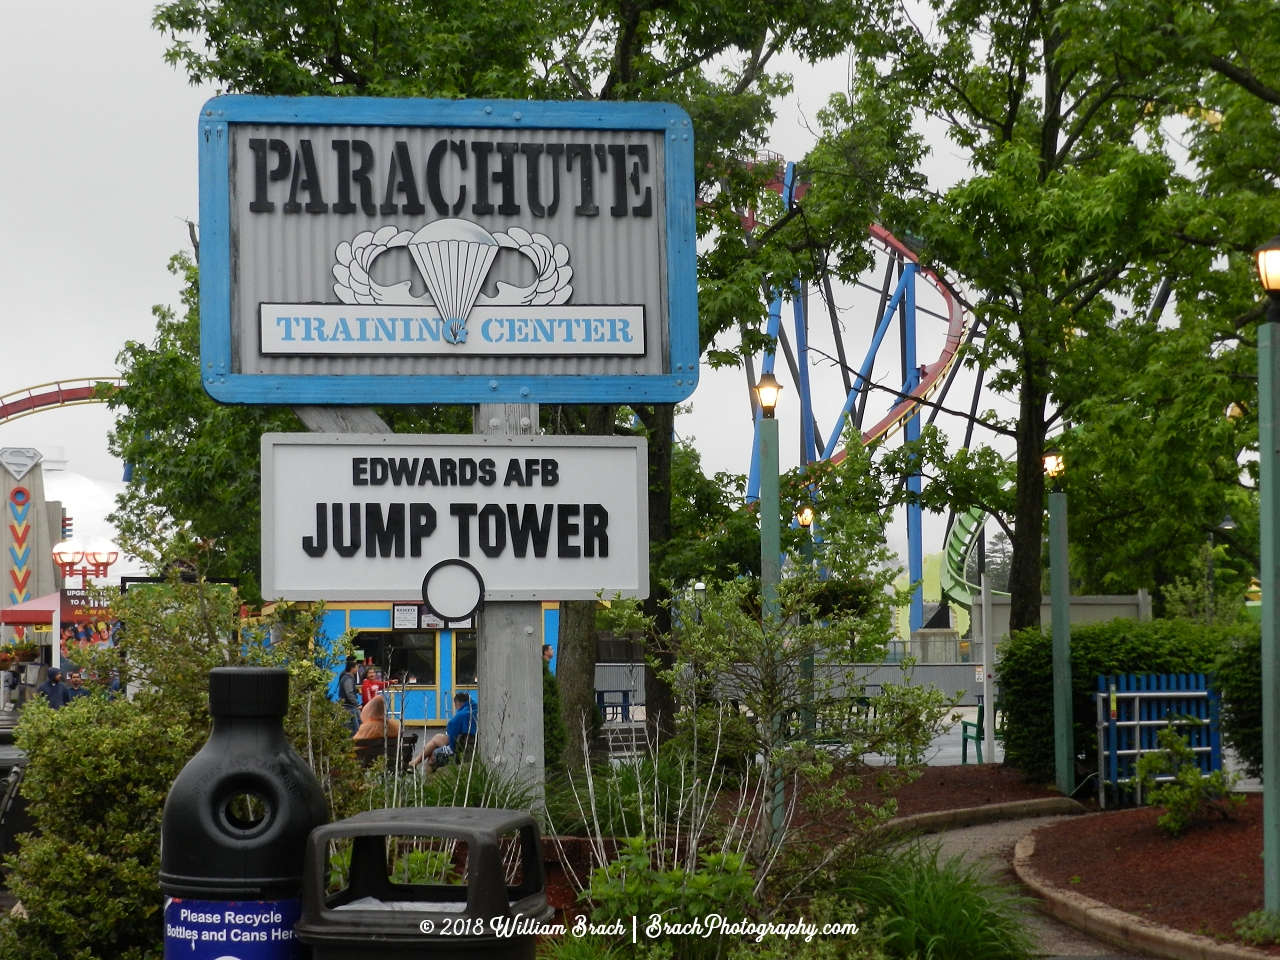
x=630 y=886
x=100 y=768
x=1191 y=793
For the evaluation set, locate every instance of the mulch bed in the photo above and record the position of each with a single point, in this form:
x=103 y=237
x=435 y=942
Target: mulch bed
x=949 y=788
x=1200 y=882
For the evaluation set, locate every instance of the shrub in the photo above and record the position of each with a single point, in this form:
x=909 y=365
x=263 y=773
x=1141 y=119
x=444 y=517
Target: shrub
x=96 y=782
x=1119 y=646
x=99 y=770
x=1238 y=677
x=1259 y=928
x=469 y=784
x=1190 y=794
x=632 y=886
x=943 y=911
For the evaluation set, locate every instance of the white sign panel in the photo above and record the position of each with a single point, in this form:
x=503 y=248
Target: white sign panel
x=365 y=517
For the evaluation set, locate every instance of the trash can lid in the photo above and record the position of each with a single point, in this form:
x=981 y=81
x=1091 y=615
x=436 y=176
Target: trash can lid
x=248 y=691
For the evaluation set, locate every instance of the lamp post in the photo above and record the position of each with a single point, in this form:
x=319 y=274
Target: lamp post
x=1060 y=595
x=805 y=519
x=1225 y=526
x=97 y=557
x=1267 y=257
x=767 y=390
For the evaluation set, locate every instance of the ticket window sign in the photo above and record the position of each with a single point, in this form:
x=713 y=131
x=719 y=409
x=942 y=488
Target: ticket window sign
x=369 y=517
x=455 y=251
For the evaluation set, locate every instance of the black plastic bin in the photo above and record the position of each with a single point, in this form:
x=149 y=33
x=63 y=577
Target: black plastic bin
x=444 y=883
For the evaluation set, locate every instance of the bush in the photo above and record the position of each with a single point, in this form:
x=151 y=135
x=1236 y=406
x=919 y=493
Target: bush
x=99 y=769
x=1238 y=677
x=1190 y=794
x=96 y=782
x=1025 y=669
x=1259 y=928
x=943 y=911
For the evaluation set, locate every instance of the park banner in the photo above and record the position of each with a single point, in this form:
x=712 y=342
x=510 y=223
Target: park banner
x=371 y=250
x=369 y=516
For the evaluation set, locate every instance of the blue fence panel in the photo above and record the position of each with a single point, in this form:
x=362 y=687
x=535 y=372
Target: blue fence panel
x=1134 y=708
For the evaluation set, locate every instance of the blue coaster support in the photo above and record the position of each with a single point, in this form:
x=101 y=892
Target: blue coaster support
x=808 y=442
x=915 y=545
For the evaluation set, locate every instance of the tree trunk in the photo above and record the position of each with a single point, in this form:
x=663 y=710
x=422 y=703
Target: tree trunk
x=1028 y=528
x=576 y=673
x=576 y=657
x=660 y=706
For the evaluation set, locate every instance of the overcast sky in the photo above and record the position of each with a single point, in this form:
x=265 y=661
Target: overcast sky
x=99 y=177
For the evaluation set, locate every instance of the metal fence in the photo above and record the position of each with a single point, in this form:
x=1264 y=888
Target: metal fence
x=1133 y=709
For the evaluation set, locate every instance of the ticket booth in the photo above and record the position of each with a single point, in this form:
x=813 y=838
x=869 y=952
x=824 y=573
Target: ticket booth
x=424 y=661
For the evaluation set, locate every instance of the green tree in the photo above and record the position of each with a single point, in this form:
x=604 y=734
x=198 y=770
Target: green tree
x=1062 y=210
x=194 y=462
x=1167 y=423
x=714 y=535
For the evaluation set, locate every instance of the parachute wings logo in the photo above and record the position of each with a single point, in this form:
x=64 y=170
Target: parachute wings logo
x=454 y=257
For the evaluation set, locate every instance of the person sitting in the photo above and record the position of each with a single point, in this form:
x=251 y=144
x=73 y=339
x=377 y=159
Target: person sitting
x=462 y=723
x=374 y=723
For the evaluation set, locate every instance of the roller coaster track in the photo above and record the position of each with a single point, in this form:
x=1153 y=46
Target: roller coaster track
x=961 y=539
x=60 y=393
x=933 y=376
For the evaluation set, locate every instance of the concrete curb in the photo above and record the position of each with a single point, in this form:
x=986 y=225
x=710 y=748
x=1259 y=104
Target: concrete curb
x=941 y=820
x=1115 y=926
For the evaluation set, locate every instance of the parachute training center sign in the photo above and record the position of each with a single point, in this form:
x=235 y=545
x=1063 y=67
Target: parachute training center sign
x=364 y=517
x=358 y=250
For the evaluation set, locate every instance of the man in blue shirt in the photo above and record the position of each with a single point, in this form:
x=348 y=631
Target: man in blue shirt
x=77 y=688
x=54 y=690
x=462 y=723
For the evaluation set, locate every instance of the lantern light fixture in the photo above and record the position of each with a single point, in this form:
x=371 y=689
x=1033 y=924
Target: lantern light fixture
x=767 y=390
x=1267 y=258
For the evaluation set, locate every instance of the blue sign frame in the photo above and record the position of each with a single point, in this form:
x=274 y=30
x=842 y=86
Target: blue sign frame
x=676 y=384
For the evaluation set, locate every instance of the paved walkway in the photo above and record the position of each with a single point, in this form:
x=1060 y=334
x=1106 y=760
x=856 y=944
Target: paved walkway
x=991 y=845
x=945 y=751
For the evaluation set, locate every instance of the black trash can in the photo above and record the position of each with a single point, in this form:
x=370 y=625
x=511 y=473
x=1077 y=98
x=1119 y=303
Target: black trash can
x=438 y=883
x=235 y=828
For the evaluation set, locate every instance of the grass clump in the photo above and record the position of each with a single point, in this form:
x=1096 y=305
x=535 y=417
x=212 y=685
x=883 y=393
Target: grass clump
x=935 y=910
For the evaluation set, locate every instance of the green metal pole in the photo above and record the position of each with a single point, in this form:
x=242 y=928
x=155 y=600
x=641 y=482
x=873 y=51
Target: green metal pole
x=806 y=664
x=1268 y=462
x=770 y=518
x=771 y=566
x=1060 y=590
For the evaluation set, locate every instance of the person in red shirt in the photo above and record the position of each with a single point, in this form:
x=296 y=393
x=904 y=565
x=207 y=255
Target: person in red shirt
x=372 y=686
